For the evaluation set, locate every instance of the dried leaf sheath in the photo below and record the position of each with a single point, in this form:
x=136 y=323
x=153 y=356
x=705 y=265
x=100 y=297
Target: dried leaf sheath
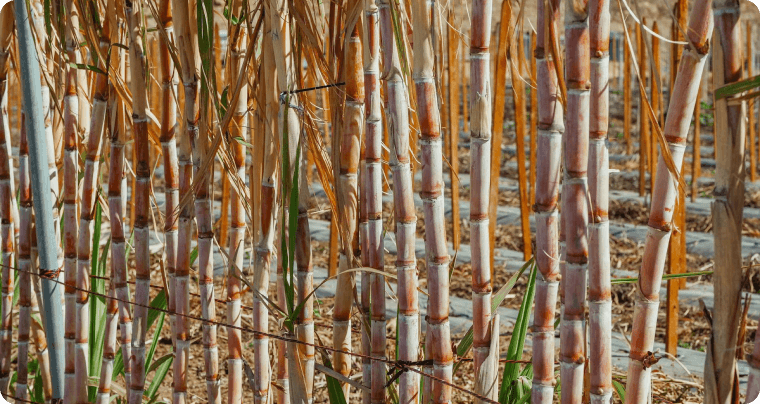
x=548 y=150
x=599 y=293
x=397 y=115
x=436 y=250
x=663 y=201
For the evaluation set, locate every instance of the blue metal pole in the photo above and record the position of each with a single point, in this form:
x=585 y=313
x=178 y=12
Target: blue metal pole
x=52 y=292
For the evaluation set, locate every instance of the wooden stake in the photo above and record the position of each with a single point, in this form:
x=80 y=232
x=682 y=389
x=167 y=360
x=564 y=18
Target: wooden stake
x=497 y=124
x=627 y=98
x=656 y=103
x=643 y=117
x=533 y=119
x=518 y=89
x=453 y=155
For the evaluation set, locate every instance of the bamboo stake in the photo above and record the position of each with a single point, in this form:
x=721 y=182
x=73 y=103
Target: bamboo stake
x=518 y=89
x=751 y=112
x=76 y=360
x=533 y=120
x=332 y=266
x=237 y=43
x=499 y=65
x=88 y=204
x=465 y=91
x=599 y=293
x=663 y=200
x=548 y=150
x=406 y=221
x=187 y=44
x=627 y=114
x=7 y=283
x=644 y=155
x=656 y=101
x=372 y=178
x=677 y=246
x=432 y=195
x=454 y=102
x=681 y=10
x=574 y=205
x=720 y=365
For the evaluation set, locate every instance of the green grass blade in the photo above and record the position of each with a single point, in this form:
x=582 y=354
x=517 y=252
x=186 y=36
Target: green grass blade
x=666 y=277
x=161 y=366
x=465 y=344
x=158 y=302
x=508 y=392
x=97 y=303
x=737 y=88
x=619 y=389
x=156 y=336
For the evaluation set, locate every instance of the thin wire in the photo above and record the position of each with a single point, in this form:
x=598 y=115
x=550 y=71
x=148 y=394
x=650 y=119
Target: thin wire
x=404 y=366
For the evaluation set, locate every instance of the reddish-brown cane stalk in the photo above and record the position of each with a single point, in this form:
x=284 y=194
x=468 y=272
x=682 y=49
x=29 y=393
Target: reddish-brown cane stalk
x=663 y=200
x=486 y=361
x=74 y=358
x=548 y=150
x=372 y=179
x=533 y=120
x=727 y=209
x=397 y=104
x=753 y=383
x=236 y=245
x=350 y=144
x=436 y=249
x=186 y=40
x=117 y=184
x=454 y=102
x=167 y=110
x=38 y=333
x=89 y=200
x=138 y=70
x=25 y=265
x=574 y=204
x=599 y=291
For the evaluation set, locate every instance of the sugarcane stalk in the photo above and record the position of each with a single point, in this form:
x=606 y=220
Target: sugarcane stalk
x=138 y=68
x=265 y=253
x=485 y=361
x=6 y=275
x=167 y=110
x=117 y=199
x=25 y=266
x=548 y=150
x=372 y=181
x=236 y=245
x=727 y=208
x=42 y=187
x=88 y=203
x=186 y=39
x=38 y=334
x=397 y=103
x=75 y=358
x=638 y=386
x=574 y=204
x=599 y=291
x=753 y=381
x=432 y=195
x=350 y=143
